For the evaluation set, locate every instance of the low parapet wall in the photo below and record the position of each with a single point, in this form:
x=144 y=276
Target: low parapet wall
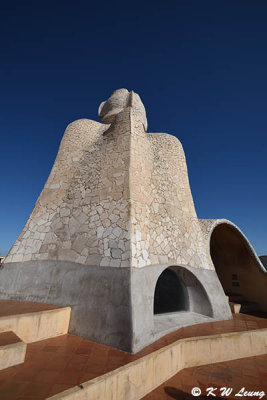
x=134 y=380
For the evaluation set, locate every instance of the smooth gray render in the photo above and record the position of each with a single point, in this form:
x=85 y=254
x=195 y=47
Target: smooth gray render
x=115 y=306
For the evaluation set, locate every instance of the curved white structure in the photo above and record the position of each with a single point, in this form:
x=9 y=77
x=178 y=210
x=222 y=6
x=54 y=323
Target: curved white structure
x=115 y=213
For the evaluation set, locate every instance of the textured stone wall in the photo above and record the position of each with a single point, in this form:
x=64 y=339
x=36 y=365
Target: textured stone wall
x=116 y=196
x=165 y=226
x=84 y=206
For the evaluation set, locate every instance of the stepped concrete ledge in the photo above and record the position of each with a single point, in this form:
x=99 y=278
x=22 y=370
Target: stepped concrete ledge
x=235 y=307
x=140 y=377
x=33 y=321
x=12 y=350
x=59 y=365
x=245 y=372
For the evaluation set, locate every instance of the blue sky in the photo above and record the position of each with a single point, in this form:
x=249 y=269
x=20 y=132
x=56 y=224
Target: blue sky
x=199 y=67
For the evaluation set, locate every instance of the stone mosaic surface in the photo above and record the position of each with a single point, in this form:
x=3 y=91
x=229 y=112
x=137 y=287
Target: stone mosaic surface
x=117 y=196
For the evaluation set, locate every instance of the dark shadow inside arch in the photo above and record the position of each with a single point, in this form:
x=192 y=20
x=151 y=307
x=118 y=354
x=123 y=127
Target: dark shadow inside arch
x=235 y=265
x=170 y=293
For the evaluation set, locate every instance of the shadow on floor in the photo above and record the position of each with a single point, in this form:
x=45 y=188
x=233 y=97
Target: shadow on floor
x=180 y=395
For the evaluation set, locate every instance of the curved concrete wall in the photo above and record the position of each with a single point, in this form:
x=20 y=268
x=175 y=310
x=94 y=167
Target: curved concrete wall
x=232 y=254
x=113 y=306
x=206 y=297
x=116 y=210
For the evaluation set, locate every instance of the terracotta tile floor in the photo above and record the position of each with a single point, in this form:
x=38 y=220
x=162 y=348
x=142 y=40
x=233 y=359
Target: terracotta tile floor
x=54 y=365
x=14 y=307
x=250 y=373
x=8 y=338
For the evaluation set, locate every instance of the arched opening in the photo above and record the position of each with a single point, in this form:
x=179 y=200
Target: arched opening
x=179 y=300
x=235 y=266
x=170 y=293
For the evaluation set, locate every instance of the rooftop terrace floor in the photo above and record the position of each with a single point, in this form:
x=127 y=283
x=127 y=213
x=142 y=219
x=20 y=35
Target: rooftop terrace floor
x=250 y=373
x=54 y=365
x=16 y=307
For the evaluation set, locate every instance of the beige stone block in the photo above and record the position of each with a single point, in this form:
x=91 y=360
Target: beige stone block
x=12 y=353
x=189 y=353
x=122 y=383
x=176 y=357
x=163 y=365
x=36 y=326
x=258 y=342
x=217 y=349
x=235 y=307
x=228 y=349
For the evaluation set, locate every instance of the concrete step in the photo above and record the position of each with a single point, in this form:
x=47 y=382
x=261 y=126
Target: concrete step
x=107 y=369
x=146 y=373
x=33 y=321
x=12 y=350
x=235 y=307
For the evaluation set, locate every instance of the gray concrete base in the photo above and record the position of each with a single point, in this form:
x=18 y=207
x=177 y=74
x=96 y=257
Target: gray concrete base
x=114 y=306
x=206 y=298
